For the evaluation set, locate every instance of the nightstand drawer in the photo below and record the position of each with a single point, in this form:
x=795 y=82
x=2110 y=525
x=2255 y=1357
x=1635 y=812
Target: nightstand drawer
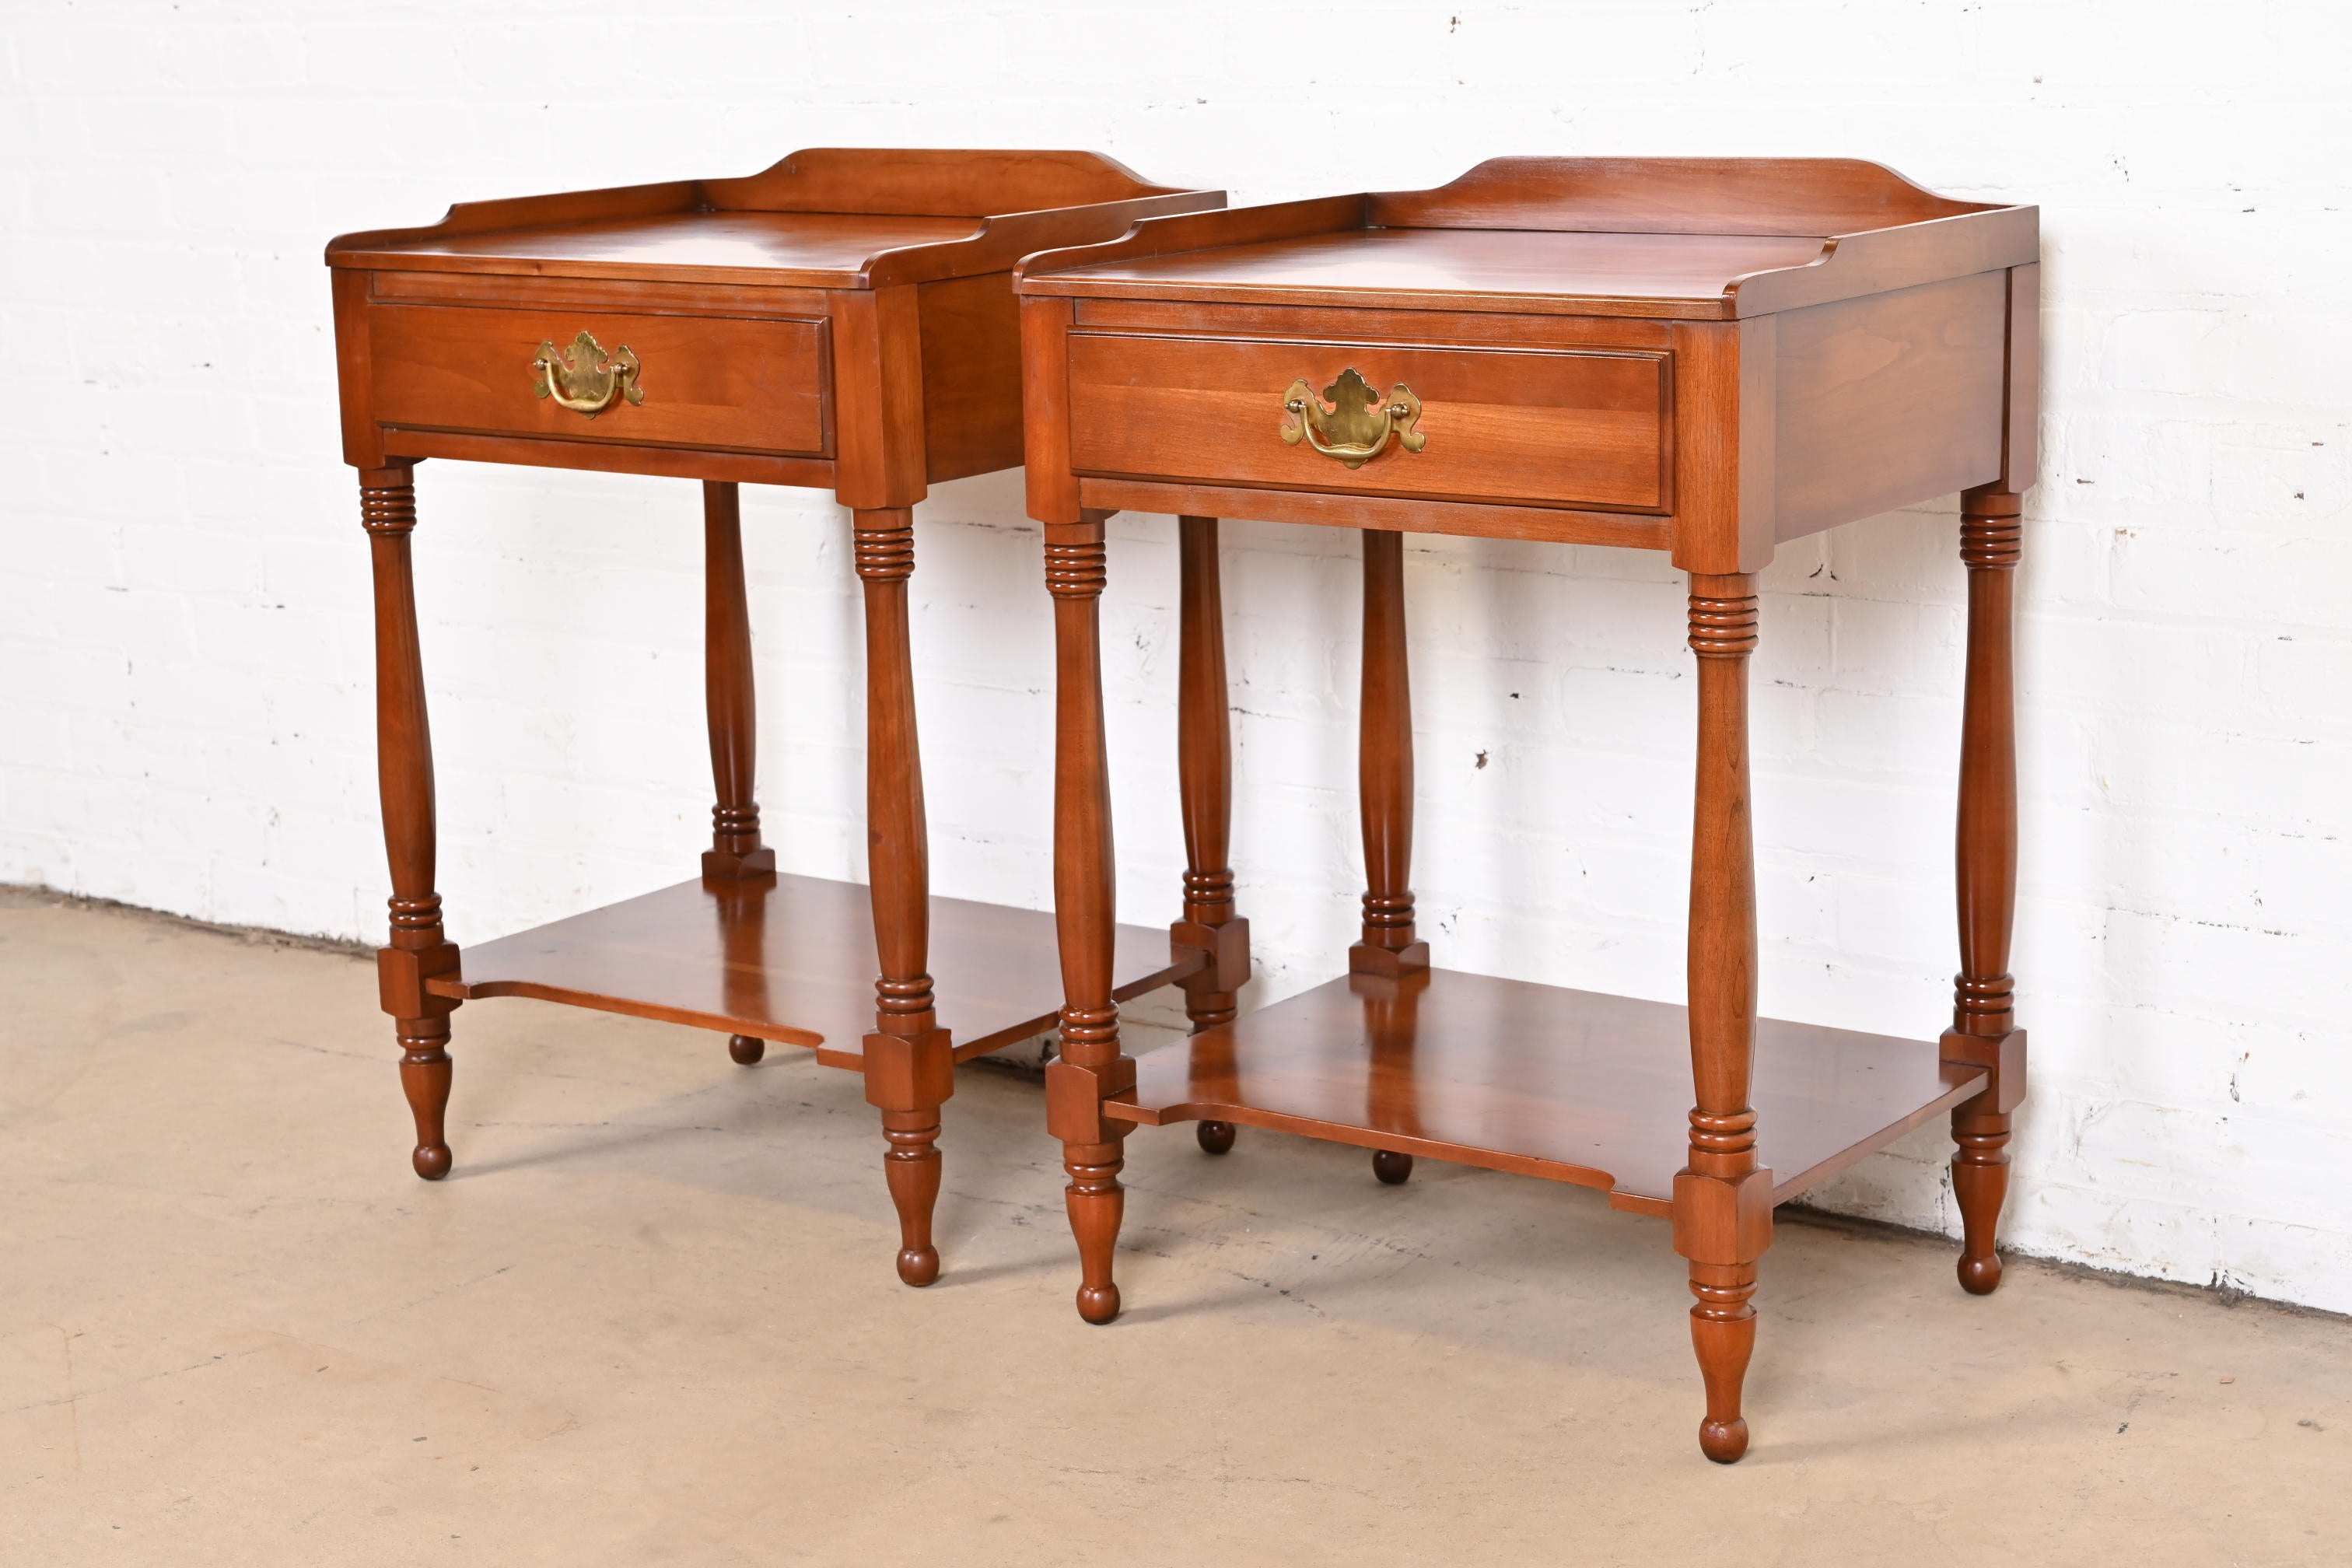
x=1571 y=427
x=706 y=382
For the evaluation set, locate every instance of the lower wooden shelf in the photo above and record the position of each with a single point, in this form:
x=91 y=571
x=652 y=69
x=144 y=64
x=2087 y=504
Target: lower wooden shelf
x=1570 y=1084
x=794 y=961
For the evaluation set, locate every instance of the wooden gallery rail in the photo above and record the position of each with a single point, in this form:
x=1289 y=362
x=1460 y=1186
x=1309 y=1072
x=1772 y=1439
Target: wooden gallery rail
x=844 y=321
x=1703 y=357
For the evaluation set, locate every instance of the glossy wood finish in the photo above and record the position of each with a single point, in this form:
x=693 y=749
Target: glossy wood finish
x=1984 y=1017
x=1388 y=945
x=1723 y=1197
x=1204 y=768
x=1437 y=1065
x=753 y=386
x=844 y=320
x=811 y=250
x=1085 y=896
x=1561 y=426
x=417 y=952
x=910 y=1059
x=1437 y=268
x=1698 y=356
x=736 y=852
x=1876 y=336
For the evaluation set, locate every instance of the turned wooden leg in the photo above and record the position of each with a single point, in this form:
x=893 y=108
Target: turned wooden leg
x=1384 y=770
x=909 y=1061
x=1393 y=1087
x=1091 y=1067
x=1204 y=765
x=735 y=854
x=1984 y=1029
x=1723 y=1199
x=418 y=952
x=1723 y=1333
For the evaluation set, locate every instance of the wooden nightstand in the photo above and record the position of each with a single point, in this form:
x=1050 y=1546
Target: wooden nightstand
x=1697 y=356
x=844 y=320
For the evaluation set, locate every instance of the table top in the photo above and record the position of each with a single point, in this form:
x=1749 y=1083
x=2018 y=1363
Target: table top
x=1515 y=263
x=823 y=218
x=814 y=249
x=1676 y=239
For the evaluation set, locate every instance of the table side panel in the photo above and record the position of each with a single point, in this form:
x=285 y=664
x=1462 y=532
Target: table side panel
x=1564 y=427
x=744 y=385
x=971 y=331
x=1888 y=400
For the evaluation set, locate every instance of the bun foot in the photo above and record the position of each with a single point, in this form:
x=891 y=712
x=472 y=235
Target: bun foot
x=1723 y=1441
x=1097 y=1303
x=1216 y=1137
x=431 y=1161
x=1980 y=1276
x=1391 y=1167
x=746 y=1050
x=919 y=1266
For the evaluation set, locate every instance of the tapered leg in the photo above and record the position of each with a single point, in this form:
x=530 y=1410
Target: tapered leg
x=736 y=853
x=909 y=1062
x=1723 y=1199
x=1984 y=1021
x=1204 y=764
x=1091 y=1066
x=417 y=952
x=1384 y=770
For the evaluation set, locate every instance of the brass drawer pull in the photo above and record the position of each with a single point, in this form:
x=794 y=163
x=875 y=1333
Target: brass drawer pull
x=1351 y=429
x=583 y=378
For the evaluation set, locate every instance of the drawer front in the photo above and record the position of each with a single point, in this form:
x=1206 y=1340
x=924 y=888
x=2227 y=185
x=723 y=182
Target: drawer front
x=1544 y=427
x=727 y=382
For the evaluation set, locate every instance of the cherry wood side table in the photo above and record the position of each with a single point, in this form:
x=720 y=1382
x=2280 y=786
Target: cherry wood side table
x=844 y=320
x=1703 y=357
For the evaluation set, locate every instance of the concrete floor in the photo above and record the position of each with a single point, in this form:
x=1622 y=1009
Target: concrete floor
x=652 y=1318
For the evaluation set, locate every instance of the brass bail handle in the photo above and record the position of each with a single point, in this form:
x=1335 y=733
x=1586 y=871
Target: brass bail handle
x=1356 y=426
x=584 y=378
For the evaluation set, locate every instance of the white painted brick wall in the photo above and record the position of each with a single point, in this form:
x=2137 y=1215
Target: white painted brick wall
x=184 y=713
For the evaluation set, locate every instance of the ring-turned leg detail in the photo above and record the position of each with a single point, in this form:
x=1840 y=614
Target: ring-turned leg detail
x=1205 y=767
x=1723 y=1198
x=424 y=1081
x=417 y=952
x=912 y=1169
x=909 y=1060
x=1984 y=1030
x=1389 y=947
x=1979 y=1183
x=1723 y=1333
x=736 y=853
x=1091 y=1067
